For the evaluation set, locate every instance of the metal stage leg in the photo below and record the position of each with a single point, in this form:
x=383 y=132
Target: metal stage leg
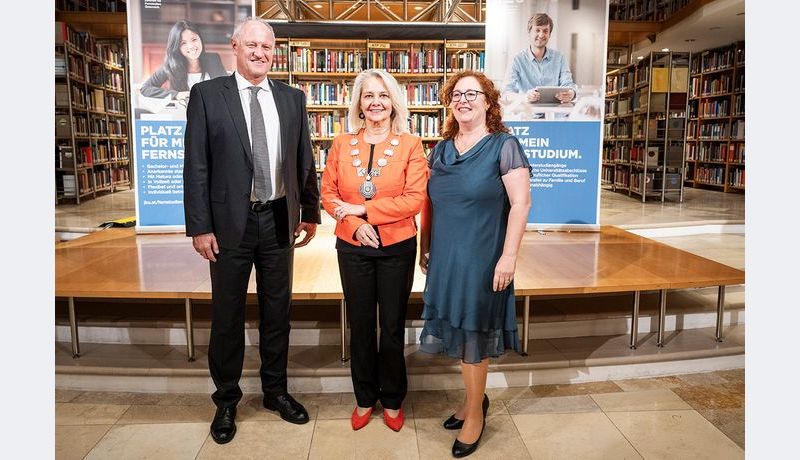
x=526 y=320
x=662 y=315
x=343 y=320
x=720 y=311
x=635 y=319
x=189 y=330
x=73 y=329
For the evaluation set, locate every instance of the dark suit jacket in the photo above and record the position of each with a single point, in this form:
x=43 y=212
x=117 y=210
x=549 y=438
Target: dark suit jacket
x=218 y=163
x=211 y=64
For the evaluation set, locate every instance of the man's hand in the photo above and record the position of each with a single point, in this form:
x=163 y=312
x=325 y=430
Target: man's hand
x=533 y=95
x=565 y=96
x=206 y=246
x=309 y=228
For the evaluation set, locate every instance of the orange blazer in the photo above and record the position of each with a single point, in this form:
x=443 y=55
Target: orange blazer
x=402 y=186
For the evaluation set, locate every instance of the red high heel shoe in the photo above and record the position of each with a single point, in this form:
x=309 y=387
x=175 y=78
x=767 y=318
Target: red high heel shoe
x=360 y=421
x=395 y=423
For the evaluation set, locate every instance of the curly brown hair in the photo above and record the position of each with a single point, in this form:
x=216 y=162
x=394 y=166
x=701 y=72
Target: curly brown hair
x=494 y=119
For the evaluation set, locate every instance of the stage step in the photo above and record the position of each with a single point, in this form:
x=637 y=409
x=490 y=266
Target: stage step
x=316 y=369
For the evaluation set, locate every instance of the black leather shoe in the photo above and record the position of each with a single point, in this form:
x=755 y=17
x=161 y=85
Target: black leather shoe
x=223 y=428
x=455 y=424
x=461 y=449
x=290 y=410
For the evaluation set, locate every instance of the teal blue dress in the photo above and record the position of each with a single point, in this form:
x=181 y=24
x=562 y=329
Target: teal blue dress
x=464 y=317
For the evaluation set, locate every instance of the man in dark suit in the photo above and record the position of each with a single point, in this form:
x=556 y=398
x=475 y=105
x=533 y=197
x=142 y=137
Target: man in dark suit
x=250 y=190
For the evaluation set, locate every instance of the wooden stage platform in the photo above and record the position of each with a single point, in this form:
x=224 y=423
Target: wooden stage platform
x=118 y=263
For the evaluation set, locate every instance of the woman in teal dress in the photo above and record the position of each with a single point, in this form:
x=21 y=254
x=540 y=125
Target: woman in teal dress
x=472 y=226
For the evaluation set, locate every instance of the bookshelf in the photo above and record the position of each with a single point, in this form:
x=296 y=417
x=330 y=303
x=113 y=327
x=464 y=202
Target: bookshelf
x=92 y=146
x=645 y=127
x=715 y=142
x=325 y=69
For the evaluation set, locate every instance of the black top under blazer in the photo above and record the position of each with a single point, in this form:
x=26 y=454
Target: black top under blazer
x=218 y=163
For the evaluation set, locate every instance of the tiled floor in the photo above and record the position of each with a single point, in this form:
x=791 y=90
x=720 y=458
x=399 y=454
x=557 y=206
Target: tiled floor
x=684 y=416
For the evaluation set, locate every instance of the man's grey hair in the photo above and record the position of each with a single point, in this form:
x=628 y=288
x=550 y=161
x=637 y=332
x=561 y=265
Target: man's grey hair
x=237 y=31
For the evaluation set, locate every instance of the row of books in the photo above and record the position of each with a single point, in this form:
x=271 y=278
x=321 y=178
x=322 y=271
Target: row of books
x=325 y=60
x=719 y=85
x=326 y=124
x=115 y=103
x=426 y=93
x=715 y=108
x=467 y=60
x=60 y=65
x=619 y=82
x=622 y=178
x=117 y=127
x=710 y=175
x=736 y=177
x=321 y=93
x=415 y=60
x=716 y=60
x=114 y=80
x=424 y=125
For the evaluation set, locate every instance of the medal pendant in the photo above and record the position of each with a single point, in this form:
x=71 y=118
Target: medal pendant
x=367 y=189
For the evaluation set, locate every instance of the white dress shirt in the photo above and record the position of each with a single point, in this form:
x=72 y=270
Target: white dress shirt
x=272 y=126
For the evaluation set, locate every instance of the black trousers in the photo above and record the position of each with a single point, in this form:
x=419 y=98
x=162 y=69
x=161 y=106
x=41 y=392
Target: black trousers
x=266 y=246
x=378 y=370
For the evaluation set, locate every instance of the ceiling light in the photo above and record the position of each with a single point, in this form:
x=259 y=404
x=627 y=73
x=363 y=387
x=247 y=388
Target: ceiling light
x=665 y=49
x=318 y=5
x=639 y=57
x=417 y=8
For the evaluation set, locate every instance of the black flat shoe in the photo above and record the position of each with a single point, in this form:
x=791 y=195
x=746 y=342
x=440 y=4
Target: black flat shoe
x=461 y=449
x=289 y=409
x=455 y=424
x=223 y=428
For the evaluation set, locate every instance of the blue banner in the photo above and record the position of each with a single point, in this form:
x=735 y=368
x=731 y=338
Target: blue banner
x=565 y=166
x=159 y=172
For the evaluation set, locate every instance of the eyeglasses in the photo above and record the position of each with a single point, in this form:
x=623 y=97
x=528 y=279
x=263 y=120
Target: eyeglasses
x=470 y=95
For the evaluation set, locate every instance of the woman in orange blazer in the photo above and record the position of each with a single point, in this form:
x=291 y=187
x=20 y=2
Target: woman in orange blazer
x=374 y=184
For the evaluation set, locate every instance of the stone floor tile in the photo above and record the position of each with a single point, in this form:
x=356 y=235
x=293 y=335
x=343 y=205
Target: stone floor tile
x=335 y=439
x=580 y=435
x=113 y=397
x=152 y=414
x=734 y=376
x=557 y=404
x=174 y=441
x=74 y=442
x=500 y=439
x=729 y=421
x=509 y=394
x=88 y=414
x=712 y=396
x=426 y=396
x=674 y=434
x=705 y=378
x=574 y=389
x=648 y=383
x=262 y=439
x=662 y=399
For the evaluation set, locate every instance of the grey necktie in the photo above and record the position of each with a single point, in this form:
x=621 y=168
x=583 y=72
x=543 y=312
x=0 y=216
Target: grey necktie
x=262 y=182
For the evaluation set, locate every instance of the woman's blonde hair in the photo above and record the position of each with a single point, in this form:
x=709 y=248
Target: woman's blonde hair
x=399 y=117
